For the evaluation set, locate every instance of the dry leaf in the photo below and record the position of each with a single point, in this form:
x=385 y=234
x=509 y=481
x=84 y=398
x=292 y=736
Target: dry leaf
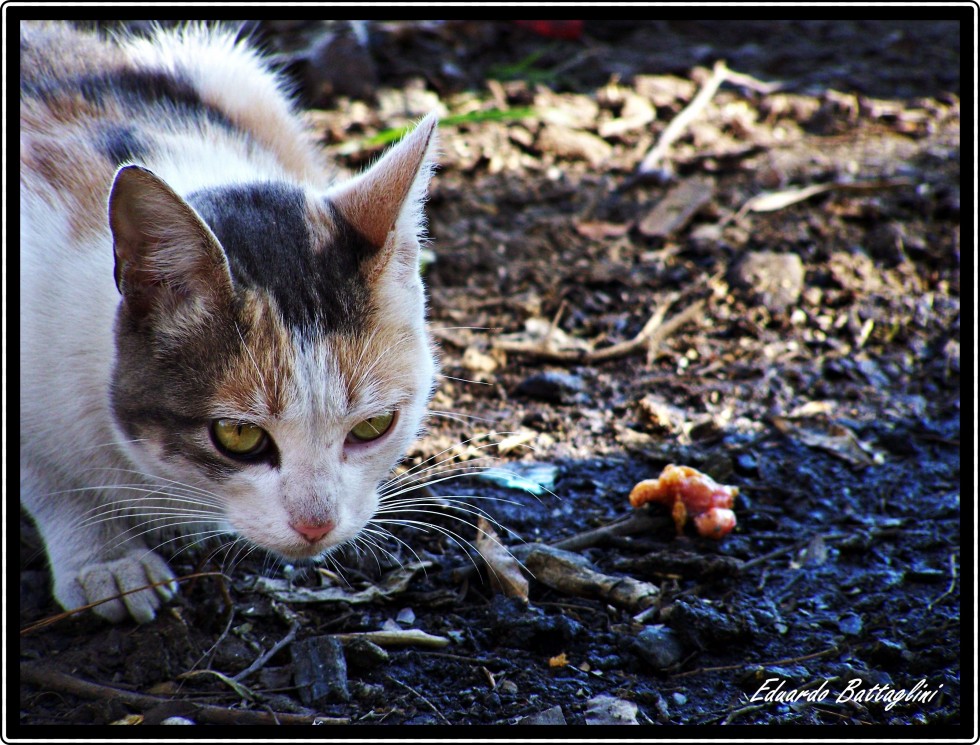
x=833 y=437
x=777 y=200
x=505 y=571
x=129 y=719
x=516 y=440
x=597 y=230
x=610 y=710
x=393 y=583
x=677 y=207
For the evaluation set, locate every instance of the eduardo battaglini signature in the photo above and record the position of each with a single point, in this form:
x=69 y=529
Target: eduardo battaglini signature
x=774 y=690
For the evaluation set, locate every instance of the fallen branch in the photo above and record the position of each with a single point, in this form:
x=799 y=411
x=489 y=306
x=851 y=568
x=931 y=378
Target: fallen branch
x=54 y=680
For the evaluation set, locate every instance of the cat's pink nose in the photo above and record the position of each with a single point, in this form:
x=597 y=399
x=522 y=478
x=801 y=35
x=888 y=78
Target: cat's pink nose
x=313 y=532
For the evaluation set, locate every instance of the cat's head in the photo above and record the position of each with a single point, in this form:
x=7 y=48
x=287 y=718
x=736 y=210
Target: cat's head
x=272 y=359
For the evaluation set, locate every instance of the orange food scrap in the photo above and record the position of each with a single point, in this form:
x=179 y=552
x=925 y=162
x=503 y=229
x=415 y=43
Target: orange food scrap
x=559 y=660
x=690 y=494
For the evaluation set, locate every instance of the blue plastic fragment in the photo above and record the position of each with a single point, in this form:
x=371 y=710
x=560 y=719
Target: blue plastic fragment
x=534 y=478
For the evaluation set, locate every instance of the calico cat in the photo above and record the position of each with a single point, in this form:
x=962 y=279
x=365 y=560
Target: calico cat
x=215 y=338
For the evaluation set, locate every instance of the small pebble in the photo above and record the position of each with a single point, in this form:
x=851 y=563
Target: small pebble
x=659 y=646
x=177 y=720
x=773 y=279
x=553 y=387
x=320 y=670
x=553 y=715
x=850 y=624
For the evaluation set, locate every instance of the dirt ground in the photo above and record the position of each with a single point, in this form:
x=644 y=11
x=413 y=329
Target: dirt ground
x=599 y=319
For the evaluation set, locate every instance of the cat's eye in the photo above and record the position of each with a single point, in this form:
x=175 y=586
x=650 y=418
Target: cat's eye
x=371 y=428
x=239 y=439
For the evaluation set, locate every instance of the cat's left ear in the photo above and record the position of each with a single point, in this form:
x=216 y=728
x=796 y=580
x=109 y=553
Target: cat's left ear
x=167 y=258
x=384 y=204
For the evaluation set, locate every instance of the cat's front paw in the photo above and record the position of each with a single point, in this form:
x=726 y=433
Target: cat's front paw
x=98 y=581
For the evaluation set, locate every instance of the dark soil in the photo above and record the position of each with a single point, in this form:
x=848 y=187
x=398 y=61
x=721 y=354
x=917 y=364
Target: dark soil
x=820 y=375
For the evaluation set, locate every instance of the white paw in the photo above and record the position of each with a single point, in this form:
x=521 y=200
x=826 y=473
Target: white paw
x=98 y=581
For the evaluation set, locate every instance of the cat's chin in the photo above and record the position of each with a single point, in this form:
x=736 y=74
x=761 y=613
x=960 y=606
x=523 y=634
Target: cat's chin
x=305 y=553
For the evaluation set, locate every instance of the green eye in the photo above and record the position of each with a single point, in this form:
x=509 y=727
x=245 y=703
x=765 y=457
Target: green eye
x=236 y=438
x=371 y=429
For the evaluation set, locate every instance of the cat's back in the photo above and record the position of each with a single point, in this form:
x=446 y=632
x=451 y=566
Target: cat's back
x=193 y=103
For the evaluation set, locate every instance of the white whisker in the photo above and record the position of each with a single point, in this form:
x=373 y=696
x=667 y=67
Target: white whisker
x=463 y=380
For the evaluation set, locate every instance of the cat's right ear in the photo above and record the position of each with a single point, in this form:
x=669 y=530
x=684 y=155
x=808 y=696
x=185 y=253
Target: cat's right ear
x=384 y=204
x=167 y=258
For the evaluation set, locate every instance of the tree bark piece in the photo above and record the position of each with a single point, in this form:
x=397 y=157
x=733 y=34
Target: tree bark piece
x=677 y=207
x=573 y=574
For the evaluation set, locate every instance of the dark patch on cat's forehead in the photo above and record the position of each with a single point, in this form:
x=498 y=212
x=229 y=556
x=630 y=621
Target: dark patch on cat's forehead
x=312 y=270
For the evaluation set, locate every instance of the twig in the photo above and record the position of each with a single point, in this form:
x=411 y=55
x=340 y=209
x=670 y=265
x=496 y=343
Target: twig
x=775 y=554
x=47 y=678
x=75 y=611
x=554 y=324
x=264 y=658
x=952 y=582
x=637 y=522
x=778 y=200
x=221 y=638
x=744 y=710
x=753 y=84
x=680 y=122
x=653 y=333
x=659 y=334
x=744 y=665
x=420 y=697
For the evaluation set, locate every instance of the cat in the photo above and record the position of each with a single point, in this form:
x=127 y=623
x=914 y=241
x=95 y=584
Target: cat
x=216 y=337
